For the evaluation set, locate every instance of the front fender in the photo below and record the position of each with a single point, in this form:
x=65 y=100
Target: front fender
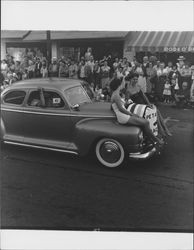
x=89 y=131
x=2 y=131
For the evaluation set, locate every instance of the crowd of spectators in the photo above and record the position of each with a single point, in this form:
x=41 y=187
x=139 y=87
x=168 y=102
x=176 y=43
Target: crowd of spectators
x=165 y=83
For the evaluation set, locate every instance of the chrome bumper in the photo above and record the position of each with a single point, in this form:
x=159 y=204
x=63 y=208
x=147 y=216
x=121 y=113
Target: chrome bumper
x=143 y=156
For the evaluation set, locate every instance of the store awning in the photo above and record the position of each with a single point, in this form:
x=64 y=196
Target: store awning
x=13 y=34
x=69 y=35
x=161 y=41
x=87 y=34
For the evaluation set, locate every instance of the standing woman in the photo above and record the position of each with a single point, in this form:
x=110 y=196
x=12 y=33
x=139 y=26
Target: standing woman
x=96 y=73
x=4 y=68
x=126 y=117
x=105 y=74
x=151 y=74
x=161 y=79
x=186 y=74
x=31 y=69
x=81 y=70
x=192 y=85
x=88 y=54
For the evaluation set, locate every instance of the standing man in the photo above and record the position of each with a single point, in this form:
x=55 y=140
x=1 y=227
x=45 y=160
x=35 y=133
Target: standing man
x=38 y=66
x=145 y=65
x=53 y=68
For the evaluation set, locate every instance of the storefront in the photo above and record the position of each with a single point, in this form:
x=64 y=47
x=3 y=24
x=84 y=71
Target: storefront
x=19 y=50
x=74 y=44
x=166 y=46
x=14 y=44
x=11 y=38
x=100 y=49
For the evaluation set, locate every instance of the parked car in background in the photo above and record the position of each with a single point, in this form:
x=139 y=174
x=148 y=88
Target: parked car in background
x=57 y=114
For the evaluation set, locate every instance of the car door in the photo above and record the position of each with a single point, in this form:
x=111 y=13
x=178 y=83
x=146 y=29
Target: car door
x=50 y=124
x=12 y=115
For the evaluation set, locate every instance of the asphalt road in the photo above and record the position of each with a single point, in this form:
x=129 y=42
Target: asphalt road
x=49 y=190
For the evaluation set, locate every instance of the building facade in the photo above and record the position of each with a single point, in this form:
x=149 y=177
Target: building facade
x=166 y=46
x=64 y=43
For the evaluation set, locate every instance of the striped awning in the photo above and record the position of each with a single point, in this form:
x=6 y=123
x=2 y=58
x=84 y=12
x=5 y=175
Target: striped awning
x=161 y=41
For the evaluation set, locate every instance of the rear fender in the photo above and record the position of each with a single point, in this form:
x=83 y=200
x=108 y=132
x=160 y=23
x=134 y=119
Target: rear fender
x=89 y=131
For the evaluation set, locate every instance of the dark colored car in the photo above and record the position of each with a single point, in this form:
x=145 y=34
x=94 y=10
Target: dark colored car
x=57 y=114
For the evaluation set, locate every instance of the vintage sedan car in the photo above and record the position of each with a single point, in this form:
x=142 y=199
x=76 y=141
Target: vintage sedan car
x=57 y=114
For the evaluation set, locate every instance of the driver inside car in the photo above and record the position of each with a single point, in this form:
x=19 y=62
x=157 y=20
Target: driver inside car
x=37 y=98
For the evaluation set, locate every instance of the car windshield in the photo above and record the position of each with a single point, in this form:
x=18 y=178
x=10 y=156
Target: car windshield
x=76 y=95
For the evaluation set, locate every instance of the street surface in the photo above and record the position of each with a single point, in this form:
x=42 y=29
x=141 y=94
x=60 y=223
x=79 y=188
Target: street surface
x=49 y=190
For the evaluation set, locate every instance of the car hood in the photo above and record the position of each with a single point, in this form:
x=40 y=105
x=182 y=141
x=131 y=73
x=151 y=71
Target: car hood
x=97 y=108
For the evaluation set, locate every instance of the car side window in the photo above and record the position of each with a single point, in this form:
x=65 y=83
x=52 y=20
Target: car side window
x=51 y=98
x=15 y=97
x=34 y=99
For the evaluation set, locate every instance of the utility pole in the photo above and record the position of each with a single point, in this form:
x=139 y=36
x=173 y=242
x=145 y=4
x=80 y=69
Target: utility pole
x=48 y=43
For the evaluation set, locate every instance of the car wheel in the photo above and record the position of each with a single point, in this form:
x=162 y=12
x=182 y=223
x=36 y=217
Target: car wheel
x=109 y=152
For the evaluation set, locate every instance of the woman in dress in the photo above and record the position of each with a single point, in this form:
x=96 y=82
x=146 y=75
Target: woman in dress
x=161 y=79
x=167 y=92
x=105 y=75
x=134 y=93
x=151 y=74
x=133 y=90
x=4 y=68
x=192 y=85
x=126 y=117
x=31 y=69
x=186 y=74
x=96 y=73
x=88 y=54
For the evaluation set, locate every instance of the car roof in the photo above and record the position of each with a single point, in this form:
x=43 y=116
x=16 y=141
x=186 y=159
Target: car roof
x=51 y=83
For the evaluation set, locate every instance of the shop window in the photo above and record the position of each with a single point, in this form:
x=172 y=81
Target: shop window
x=20 y=52
x=70 y=52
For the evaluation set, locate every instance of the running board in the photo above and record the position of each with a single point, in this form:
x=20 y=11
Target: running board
x=41 y=147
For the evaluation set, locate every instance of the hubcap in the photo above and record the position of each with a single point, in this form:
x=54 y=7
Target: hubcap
x=110 y=152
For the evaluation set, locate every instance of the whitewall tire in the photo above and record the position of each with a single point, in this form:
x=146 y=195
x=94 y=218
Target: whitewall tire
x=110 y=152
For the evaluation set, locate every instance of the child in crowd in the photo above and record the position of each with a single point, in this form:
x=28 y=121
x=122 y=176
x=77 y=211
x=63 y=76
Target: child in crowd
x=167 y=92
x=9 y=76
x=174 y=85
x=106 y=93
x=25 y=74
x=99 y=96
x=119 y=73
x=15 y=77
